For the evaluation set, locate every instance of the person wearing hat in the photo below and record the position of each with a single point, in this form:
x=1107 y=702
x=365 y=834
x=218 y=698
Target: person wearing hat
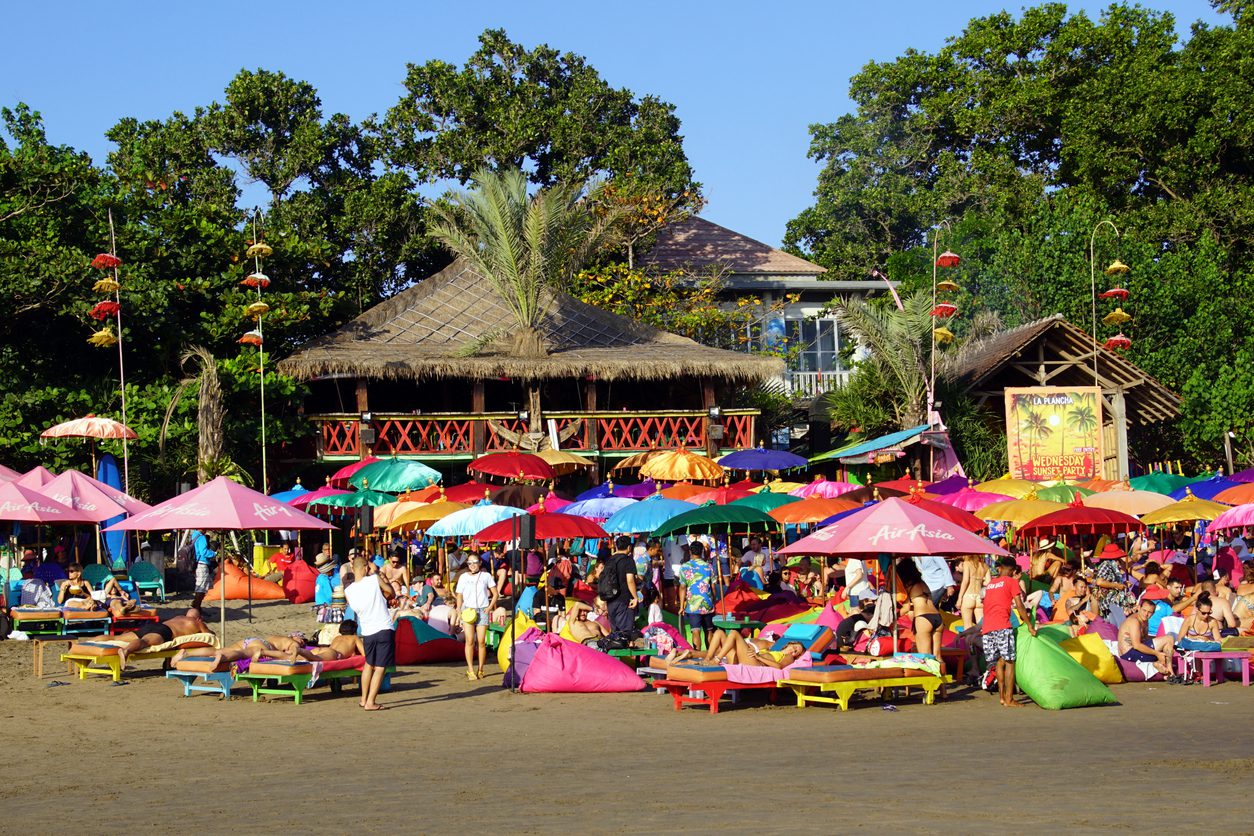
x=1110 y=581
x=1002 y=596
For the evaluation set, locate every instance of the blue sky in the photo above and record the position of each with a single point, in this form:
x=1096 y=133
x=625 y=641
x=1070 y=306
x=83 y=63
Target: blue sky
x=748 y=78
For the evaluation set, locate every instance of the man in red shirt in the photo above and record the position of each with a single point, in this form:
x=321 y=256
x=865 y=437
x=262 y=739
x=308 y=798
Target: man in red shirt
x=1002 y=595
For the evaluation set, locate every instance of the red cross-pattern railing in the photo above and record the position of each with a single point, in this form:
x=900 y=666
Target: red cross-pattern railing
x=494 y=442
x=410 y=436
x=738 y=431
x=642 y=432
x=339 y=438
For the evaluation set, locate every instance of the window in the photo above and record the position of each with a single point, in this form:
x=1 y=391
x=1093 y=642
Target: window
x=819 y=342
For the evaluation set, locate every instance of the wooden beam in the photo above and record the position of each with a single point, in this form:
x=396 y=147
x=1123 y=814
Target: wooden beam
x=363 y=405
x=478 y=430
x=1120 y=415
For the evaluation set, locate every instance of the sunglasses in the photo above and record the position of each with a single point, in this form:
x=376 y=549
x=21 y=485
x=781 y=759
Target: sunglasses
x=1205 y=612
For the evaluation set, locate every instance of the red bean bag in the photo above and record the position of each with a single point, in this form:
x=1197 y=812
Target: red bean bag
x=238 y=587
x=566 y=667
x=299 y=582
x=740 y=598
x=418 y=643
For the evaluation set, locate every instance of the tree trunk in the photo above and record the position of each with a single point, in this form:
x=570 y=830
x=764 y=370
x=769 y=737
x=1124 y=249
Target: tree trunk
x=529 y=342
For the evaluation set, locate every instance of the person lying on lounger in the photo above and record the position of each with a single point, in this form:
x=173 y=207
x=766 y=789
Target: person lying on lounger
x=155 y=633
x=727 y=647
x=346 y=644
x=581 y=628
x=290 y=648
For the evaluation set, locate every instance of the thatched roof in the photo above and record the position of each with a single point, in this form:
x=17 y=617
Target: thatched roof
x=697 y=243
x=1054 y=352
x=423 y=331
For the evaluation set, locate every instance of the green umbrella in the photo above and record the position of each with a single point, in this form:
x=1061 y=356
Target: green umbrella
x=718 y=519
x=395 y=475
x=765 y=501
x=1062 y=493
x=1160 y=482
x=356 y=499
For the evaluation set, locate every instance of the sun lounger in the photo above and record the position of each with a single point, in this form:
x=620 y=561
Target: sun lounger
x=131 y=621
x=292 y=679
x=812 y=684
x=199 y=673
x=101 y=657
x=37 y=621
x=707 y=684
x=84 y=622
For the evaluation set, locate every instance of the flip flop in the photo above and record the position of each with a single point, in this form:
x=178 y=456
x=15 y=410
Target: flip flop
x=120 y=682
x=56 y=682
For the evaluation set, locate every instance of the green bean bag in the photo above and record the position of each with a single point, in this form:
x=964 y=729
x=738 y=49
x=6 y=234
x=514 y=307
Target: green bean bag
x=1053 y=679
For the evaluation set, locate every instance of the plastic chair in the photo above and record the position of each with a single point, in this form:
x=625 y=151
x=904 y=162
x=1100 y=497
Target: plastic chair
x=147 y=578
x=97 y=574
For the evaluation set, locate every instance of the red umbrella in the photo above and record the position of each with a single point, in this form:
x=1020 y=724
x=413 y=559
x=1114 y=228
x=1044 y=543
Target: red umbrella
x=719 y=496
x=90 y=427
x=747 y=484
x=339 y=479
x=1079 y=519
x=957 y=516
x=893 y=526
x=19 y=503
x=548 y=527
x=221 y=504
x=905 y=484
x=470 y=492
x=36 y=477
x=84 y=493
x=513 y=466
x=323 y=492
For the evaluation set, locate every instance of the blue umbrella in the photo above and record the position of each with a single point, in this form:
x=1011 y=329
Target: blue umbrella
x=834 y=517
x=1206 y=488
x=289 y=495
x=646 y=488
x=646 y=515
x=759 y=458
x=470 y=521
x=598 y=508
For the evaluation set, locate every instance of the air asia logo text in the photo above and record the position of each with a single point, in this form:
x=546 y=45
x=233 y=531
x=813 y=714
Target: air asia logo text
x=189 y=509
x=7 y=506
x=919 y=532
x=268 y=511
x=80 y=504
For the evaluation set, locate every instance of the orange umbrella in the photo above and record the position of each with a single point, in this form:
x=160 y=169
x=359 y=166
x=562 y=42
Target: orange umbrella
x=682 y=491
x=681 y=464
x=384 y=514
x=1100 y=485
x=815 y=509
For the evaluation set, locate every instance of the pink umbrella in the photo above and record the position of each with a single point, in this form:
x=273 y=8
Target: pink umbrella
x=551 y=502
x=323 y=492
x=8 y=474
x=220 y=504
x=968 y=499
x=36 y=477
x=339 y=479
x=1238 y=517
x=893 y=526
x=19 y=503
x=84 y=493
x=824 y=488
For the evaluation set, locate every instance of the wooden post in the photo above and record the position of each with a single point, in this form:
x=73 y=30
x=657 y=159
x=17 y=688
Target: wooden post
x=479 y=430
x=592 y=433
x=363 y=405
x=1120 y=417
x=707 y=401
x=1228 y=451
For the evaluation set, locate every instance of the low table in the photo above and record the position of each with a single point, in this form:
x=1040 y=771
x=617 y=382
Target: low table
x=1206 y=660
x=37 y=650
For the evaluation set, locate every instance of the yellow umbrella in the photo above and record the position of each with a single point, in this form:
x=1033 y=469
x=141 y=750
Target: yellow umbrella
x=1018 y=512
x=384 y=514
x=1018 y=488
x=636 y=460
x=779 y=486
x=682 y=464
x=564 y=462
x=1136 y=503
x=421 y=518
x=1186 y=510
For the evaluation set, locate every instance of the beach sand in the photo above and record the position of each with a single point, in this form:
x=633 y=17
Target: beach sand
x=452 y=755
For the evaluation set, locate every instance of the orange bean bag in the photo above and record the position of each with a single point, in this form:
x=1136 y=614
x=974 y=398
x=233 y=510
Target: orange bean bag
x=238 y=587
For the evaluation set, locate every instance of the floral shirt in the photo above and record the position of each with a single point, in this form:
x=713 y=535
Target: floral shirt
x=697 y=576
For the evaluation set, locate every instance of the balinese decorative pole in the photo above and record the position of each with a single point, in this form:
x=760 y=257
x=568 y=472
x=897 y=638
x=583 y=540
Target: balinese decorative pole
x=941 y=312
x=258 y=251
x=104 y=337
x=1117 y=316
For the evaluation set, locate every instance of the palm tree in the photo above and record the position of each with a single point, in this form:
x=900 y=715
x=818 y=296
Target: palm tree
x=211 y=458
x=1082 y=420
x=1037 y=429
x=526 y=246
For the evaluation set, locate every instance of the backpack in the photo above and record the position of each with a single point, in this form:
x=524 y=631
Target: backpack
x=185 y=557
x=607 y=583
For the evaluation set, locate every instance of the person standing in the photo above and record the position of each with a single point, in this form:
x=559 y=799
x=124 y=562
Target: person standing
x=696 y=593
x=617 y=587
x=476 y=599
x=1002 y=596
x=367 y=595
x=205 y=556
x=936 y=574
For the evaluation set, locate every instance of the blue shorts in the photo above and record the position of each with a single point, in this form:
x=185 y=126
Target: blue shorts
x=700 y=620
x=1135 y=655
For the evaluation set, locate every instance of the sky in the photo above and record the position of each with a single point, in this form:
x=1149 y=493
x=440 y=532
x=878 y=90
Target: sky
x=747 y=78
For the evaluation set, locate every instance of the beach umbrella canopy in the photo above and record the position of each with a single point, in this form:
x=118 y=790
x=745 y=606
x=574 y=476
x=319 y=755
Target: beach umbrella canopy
x=470 y=492
x=598 y=508
x=635 y=461
x=394 y=475
x=1062 y=493
x=674 y=465
x=295 y=492
x=1098 y=485
x=1131 y=502
x=470 y=521
x=564 y=461
x=524 y=496
x=837 y=517
x=906 y=484
x=303 y=500
x=20 y=503
x=220 y=504
x=1241 y=516
x=513 y=465
x=1159 y=482
x=385 y=514
x=1018 y=488
x=36 y=477
x=1246 y=475
x=1188 y=509
x=718 y=519
x=812 y=510
x=870 y=493
x=824 y=488
x=759 y=458
x=548 y=527
x=1240 y=494
x=8 y=474
x=969 y=499
x=646 y=515
x=683 y=490
x=780 y=486
x=83 y=493
x=354 y=499
x=642 y=490
x=1078 y=519
x=92 y=426
x=894 y=526
x=550 y=502
x=339 y=479
x=952 y=484
x=720 y=496
x=607 y=488
x=955 y=515
x=431 y=493
x=420 y=518
x=1018 y=512
x=1207 y=488
x=751 y=486
x=767 y=501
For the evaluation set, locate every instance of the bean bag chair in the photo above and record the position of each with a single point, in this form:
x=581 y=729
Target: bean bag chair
x=522 y=627
x=418 y=643
x=1104 y=628
x=1090 y=650
x=780 y=611
x=1057 y=633
x=833 y=614
x=807 y=616
x=740 y=598
x=581 y=591
x=563 y=667
x=524 y=653
x=238 y=587
x=1054 y=680
x=300 y=582
x=1161 y=610
x=324 y=588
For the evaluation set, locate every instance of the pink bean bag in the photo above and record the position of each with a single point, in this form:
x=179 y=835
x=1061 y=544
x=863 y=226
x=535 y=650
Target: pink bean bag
x=564 y=667
x=299 y=581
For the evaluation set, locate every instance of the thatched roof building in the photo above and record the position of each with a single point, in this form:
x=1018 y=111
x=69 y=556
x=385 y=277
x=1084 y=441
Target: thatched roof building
x=427 y=332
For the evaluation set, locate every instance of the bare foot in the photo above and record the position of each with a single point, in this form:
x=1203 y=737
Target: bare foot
x=122 y=660
x=1013 y=704
x=375 y=707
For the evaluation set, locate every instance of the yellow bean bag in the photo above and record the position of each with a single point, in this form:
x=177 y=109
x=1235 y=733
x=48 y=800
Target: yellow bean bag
x=521 y=625
x=1091 y=652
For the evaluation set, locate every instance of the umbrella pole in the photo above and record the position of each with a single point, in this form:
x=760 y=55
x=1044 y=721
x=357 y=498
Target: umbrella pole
x=893 y=591
x=222 y=600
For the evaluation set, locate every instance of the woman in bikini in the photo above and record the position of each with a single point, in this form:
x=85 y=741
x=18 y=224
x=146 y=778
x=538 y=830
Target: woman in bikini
x=971 y=592
x=928 y=625
x=1243 y=600
x=75 y=592
x=728 y=647
x=1200 y=630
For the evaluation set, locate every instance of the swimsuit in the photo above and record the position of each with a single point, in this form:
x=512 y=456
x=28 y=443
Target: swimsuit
x=158 y=629
x=931 y=618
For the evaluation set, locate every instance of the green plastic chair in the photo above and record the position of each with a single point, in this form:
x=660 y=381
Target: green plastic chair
x=147 y=578
x=97 y=574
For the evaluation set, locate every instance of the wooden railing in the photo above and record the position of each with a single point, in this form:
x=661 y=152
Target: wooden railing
x=460 y=434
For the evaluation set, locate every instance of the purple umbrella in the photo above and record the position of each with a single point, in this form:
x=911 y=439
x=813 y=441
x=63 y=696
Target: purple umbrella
x=951 y=485
x=759 y=458
x=646 y=488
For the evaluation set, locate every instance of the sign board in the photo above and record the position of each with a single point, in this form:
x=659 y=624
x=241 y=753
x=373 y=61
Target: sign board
x=1054 y=432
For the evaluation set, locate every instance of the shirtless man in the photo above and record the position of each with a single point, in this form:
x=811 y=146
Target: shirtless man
x=1136 y=646
x=396 y=573
x=155 y=633
x=580 y=627
x=346 y=644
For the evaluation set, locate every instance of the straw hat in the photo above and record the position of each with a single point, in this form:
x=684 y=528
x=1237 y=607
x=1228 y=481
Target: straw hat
x=1045 y=544
x=321 y=560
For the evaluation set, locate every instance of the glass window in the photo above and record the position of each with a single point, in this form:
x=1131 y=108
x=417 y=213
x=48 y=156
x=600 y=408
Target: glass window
x=819 y=344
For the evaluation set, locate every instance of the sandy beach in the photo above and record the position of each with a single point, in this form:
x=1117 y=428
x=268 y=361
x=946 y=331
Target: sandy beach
x=451 y=755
